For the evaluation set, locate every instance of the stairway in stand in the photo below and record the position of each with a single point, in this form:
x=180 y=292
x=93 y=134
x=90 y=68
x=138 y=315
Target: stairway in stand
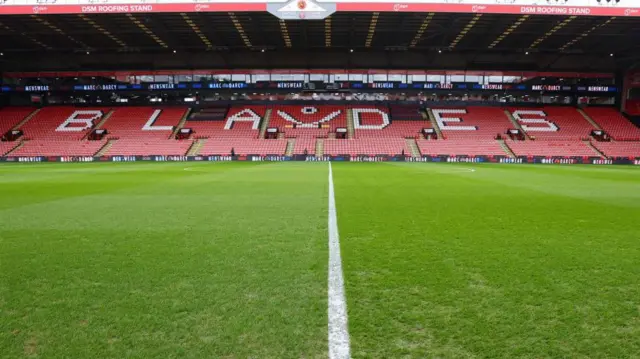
x=516 y=124
x=265 y=123
x=506 y=148
x=290 y=146
x=351 y=132
x=100 y=124
x=104 y=149
x=319 y=147
x=589 y=119
x=594 y=149
x=411 y=143
x=25 y=120
x=18 y=146
x=197 y=144
x=428 y=115
x=183 y=120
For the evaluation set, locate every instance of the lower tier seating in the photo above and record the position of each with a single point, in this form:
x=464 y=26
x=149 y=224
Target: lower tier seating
x=305 y=143
x=243 y=146
x=161 y=147
x=551 y=148
x=7 y=146
x=366 y=146
x=619 y=149
x=58 y=148
x=460 y=147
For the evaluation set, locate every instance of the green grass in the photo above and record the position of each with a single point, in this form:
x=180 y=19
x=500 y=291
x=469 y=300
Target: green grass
x=229 y=260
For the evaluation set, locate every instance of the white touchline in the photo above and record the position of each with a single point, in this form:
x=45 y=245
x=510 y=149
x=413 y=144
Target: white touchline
x=338 y=332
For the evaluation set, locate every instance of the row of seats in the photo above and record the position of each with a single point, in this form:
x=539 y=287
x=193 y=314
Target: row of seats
x=145 y=130
x=551 y=148
x=460 y=148
x=619 y=149
x=366 y=146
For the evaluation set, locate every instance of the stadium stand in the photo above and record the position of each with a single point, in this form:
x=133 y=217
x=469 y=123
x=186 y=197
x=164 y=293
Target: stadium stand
x=59 y=130
x=5 y=147
x=145 y=131
x=405 y=113
x=553 y=123
x=558 y=131
x=239 y=122
x=308 y=121
x=244 y=146
x=559 y=148
x=379 y=122
x=11 y=116
x=366 y=146
x=459 y=147
x=58 y=148
x=614 y=123
x=619 y=149
x=62 y=123
x=305 y=143
x=472 y=122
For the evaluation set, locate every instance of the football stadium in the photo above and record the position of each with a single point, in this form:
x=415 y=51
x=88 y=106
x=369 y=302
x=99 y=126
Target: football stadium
x=319 y=179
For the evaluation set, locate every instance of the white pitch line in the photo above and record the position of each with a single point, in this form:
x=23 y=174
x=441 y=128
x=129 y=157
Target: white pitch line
x=339 y=347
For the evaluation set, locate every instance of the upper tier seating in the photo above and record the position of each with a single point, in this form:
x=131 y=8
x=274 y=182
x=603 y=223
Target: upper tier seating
x=210 y=114
x=375 y=122
x=58 y=131
x=366 y=146
x=150 y=122
x=243 y=146
x=472 y=122
x=11 y=116
x=405 y=113
x=551 y=148
x=614 y=123
x=145 y=131
x=458 y=147
x=553 y=123
x=619 y=149
x=60 y=123
x=241 y=122
x=307 y=119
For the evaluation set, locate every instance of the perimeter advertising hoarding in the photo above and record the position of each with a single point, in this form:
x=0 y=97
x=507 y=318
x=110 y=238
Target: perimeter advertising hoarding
x=339 y=158
x=310 y=9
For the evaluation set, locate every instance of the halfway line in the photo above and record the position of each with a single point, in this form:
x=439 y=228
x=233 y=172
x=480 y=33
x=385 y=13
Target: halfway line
x=338 y=331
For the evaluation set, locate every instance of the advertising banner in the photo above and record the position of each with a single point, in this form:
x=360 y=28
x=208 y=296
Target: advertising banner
x=319 y=9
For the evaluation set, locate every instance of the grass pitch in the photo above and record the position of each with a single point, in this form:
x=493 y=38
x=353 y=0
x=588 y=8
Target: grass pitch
x=229 y=260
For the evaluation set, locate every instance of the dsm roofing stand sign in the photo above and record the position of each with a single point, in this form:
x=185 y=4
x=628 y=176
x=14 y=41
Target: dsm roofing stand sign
x=301 y=10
